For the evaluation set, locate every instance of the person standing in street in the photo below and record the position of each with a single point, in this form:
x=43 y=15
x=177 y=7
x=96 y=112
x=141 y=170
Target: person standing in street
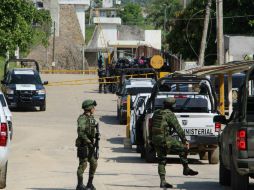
x=85 y=144
x=164 y=125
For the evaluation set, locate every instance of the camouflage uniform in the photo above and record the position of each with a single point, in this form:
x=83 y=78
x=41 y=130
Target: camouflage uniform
x=85 y=144
x=164 y=125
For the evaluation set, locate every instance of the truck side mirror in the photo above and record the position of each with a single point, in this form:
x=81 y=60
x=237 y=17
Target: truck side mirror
x=45 y=82
x=220 y=119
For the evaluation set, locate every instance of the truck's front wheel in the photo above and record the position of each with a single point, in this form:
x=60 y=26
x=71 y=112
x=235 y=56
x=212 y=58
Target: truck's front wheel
x=213 y=156
x=3 y=174
x=43 y=107
x=238 y=181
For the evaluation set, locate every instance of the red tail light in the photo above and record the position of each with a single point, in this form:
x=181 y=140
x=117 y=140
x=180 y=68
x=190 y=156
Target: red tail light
x=3 y=134
x=241 y=139
x=217 y=127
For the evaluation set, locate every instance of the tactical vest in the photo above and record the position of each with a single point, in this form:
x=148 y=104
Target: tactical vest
x=88 y=126
x=160 y=128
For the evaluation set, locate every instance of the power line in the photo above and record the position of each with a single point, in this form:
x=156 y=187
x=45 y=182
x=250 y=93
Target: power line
x=213 y=18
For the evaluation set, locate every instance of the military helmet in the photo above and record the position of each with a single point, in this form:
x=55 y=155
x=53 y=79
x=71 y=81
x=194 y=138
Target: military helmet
x=88 y=104
x=170 y=101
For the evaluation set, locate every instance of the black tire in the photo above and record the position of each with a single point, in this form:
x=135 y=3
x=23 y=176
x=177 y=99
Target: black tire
x=150 y=154
x=138 y=149
x=238 y=182
x=121 y=119
x=203 y=155
x=43 y=107
x=213 y=156
x=3 y=174
x=142 y=153
x=224 y=174
x=118 y=113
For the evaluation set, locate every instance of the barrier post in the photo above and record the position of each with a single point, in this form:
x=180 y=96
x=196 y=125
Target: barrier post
x=127 y=140
x=222 y=94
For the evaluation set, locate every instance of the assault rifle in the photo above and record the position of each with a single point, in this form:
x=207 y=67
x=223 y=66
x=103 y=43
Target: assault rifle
x=96 y=144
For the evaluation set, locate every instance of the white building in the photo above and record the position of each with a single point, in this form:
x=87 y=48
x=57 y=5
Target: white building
x=238 y=47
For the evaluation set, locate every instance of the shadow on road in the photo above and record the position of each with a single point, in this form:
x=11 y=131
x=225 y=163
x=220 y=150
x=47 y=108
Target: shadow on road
x=176 y=160
x=116 y=140
x=135 y=186
x=25 y=109
x=109 y=119
x=51 y=188
x=210 y=185
x=123 y=150
x=127 y=159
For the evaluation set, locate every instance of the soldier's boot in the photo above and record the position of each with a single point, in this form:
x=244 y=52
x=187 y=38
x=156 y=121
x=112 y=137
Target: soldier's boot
x=164 y=184
x=90 y=185
x=80 y=185
x=188 y=171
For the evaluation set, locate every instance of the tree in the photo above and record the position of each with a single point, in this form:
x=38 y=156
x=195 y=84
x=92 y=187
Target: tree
x=20 y=22
x=161 y=13
x=186 y=32
x=132 y=14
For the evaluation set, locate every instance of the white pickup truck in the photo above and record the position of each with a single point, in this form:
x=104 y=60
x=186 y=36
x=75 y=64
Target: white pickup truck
x=5 y=139
x=195 y=108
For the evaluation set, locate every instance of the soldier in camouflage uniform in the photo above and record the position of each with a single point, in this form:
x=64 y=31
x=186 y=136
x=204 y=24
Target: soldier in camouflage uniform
x=164 y=125
x=85 y=144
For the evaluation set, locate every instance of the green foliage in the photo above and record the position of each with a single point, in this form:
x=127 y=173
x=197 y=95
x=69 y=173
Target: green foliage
x=2 y=61
x=140 y=2
x=160 y=14
x=20 y=23
x=160 y=11
x=132 y=14
x=89 y=33
x=185 y=38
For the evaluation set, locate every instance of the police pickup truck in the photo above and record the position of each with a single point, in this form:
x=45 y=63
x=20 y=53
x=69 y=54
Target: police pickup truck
x=23 y=87
x=236 y=141
x=195 y=108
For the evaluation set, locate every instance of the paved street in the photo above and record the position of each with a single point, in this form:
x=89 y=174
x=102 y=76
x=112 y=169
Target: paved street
x=43 y=156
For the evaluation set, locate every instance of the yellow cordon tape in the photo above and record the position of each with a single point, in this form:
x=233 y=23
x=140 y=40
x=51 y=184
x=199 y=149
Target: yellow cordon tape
x=95 y=80
x=92 y=71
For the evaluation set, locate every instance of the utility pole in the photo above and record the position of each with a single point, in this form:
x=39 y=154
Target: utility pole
x=220 y=53
x=204 y=36
x=53 y=53
x=220 y=35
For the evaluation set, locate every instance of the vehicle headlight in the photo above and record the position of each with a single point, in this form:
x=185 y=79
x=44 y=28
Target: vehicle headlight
x=43 y=91
x=9 y=91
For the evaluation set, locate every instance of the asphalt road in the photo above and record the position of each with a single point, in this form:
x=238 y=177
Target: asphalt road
x=43 y=155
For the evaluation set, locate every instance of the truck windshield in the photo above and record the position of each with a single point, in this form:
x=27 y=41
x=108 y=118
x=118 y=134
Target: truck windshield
x=25 y=79
x=196 y=104
x=138 y=90
x=2 y=100
x=190 y=97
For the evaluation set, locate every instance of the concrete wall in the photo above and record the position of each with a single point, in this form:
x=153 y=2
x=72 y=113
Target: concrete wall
x=130 y=33
x=153 y=38
x=236 y=47
x=68 y=46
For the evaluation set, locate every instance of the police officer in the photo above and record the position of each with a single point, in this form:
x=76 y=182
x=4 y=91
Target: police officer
x=85 y=144
x=164 y=125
